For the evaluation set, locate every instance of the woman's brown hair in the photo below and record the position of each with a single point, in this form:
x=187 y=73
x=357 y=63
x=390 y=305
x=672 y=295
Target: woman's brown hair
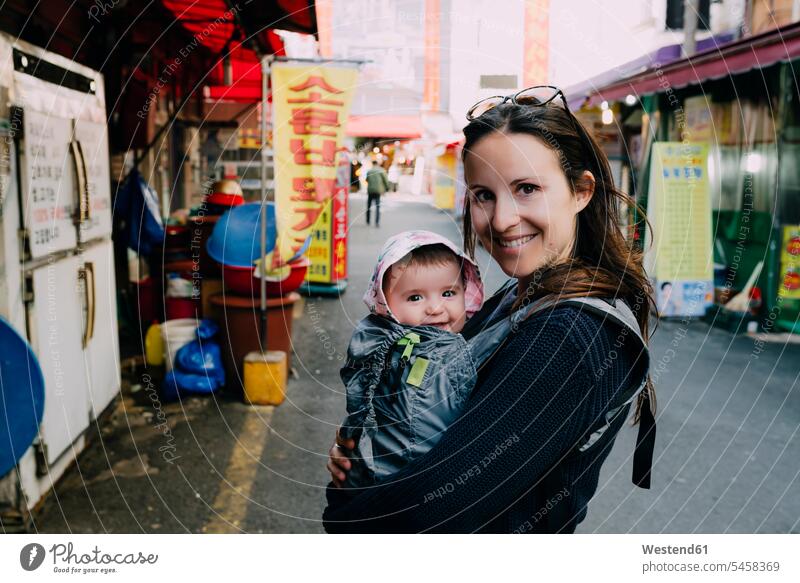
x=603 y=263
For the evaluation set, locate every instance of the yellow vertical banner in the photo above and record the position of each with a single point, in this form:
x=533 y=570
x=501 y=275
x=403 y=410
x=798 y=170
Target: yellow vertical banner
x=444 y=188
x=679 y=210
x=310 y=104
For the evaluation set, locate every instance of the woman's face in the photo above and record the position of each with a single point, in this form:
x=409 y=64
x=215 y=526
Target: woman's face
x=521 y=205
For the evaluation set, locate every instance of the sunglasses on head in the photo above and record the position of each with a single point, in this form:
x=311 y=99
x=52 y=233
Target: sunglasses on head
x=539 y=95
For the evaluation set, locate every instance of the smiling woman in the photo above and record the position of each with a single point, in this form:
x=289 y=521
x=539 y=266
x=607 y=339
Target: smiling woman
x=525 y=453
x=523 y=208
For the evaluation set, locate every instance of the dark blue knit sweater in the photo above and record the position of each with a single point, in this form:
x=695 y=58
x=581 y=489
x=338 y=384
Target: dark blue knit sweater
x=501 y=467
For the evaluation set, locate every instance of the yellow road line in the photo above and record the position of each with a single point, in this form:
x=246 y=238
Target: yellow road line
x=232 y=500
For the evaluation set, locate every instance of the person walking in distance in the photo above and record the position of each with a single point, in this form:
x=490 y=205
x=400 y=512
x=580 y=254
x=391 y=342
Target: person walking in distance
x=377 y=184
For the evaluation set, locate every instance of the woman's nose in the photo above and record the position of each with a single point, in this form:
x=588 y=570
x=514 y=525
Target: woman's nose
x=506 y=213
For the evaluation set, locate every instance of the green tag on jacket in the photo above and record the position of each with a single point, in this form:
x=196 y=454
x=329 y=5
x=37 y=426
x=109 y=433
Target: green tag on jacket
x=417 y=372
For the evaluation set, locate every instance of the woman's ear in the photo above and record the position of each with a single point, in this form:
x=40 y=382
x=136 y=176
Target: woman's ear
x=584 y=191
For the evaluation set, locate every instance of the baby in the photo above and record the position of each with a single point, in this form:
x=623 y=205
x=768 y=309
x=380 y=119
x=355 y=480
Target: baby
x=409 y=370
x=426 y=288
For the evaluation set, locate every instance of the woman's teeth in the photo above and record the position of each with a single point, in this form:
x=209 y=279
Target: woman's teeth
x=516 y=242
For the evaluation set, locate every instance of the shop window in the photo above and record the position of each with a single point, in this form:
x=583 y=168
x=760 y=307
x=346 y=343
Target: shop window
x=743 y=156
x=789 y=175
x=676 y=8
x=723 y=174
x=759 y=161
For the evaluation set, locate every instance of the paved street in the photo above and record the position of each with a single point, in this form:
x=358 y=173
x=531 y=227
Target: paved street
x=726 y=459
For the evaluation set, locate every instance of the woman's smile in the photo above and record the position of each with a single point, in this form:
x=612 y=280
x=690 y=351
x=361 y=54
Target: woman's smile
x=514 y=244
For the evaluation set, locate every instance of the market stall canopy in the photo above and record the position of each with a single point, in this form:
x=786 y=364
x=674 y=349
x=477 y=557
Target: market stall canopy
x=384 y=126
x=245 y=86
x=239 y=33
x=754 y=52
x=215 y=23
x=577 y=94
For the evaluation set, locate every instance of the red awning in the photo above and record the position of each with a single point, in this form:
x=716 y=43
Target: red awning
x=217 y=22
x=211 y=22
x=246 y=75
x=236 y=31
x=755 y=52
x=384 y=126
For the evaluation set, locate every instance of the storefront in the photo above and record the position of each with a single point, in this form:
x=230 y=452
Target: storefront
x=739 y=103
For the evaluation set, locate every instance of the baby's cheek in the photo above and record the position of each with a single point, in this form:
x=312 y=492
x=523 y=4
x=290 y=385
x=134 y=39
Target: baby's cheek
x=392 y=305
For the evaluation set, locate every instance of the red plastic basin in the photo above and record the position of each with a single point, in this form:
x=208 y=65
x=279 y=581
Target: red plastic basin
x=242 y=280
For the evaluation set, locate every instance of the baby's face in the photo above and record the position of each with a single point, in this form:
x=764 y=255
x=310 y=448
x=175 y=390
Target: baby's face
x=427 y=295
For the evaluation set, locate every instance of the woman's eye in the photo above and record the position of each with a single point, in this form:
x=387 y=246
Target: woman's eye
x=414 y=298
x=528 y=188
x=483 y=195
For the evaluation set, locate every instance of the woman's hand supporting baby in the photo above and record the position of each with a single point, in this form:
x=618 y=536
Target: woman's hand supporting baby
x=338 y=462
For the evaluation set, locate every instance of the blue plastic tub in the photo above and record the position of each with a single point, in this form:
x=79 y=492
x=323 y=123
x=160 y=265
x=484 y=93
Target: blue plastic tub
x=21 y=397
x=236 y=238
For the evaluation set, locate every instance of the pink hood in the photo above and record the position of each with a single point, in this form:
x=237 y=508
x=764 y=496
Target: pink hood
x=398 y=247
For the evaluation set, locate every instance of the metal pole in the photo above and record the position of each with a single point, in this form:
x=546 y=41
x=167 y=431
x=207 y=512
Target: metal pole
x=690 y=8
x=265 y=69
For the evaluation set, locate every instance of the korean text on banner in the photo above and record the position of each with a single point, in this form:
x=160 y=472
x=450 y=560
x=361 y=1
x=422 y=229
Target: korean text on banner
x=328 y=249
x=310 y=104
x=679 y=210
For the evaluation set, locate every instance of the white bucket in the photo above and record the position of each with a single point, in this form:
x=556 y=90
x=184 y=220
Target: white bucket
x=177 y=334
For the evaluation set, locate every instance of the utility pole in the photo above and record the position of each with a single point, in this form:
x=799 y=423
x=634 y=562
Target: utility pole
x=690 y=9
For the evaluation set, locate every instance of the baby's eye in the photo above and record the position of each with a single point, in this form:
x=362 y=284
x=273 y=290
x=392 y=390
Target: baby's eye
x=483 y=195
x=528 y=188
x=414 y=298
x=450 y=293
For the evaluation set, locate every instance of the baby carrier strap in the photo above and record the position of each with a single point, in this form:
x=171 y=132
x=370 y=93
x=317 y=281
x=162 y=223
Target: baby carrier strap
x=561 y=515
x=618 y=312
